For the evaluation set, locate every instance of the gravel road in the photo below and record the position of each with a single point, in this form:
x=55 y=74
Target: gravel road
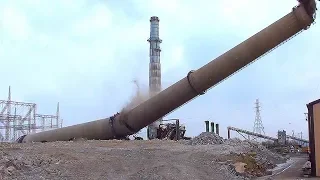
x=292 y=170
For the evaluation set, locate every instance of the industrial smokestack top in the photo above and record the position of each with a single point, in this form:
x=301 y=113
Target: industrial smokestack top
x=154 y=28
x=194 y=84
x=154 y=54
x=154 y=18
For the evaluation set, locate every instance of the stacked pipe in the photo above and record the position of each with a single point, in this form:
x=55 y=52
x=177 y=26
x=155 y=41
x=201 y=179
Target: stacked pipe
x=207 y=126
x=217 y=129
x=207 y=123
x=212 y=127
x=194 y=84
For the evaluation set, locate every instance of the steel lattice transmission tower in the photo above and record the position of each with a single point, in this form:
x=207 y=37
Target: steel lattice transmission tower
x=21 y=118
x=258 y=126
x=154 y=68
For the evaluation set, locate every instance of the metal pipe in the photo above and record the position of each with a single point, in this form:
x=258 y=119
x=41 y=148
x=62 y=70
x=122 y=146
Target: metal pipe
x=207 y=126
x=212 y=127
x=217 y=129
x=196 y=83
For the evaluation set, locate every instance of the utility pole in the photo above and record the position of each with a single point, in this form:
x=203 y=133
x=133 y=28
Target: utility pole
x=300 y=138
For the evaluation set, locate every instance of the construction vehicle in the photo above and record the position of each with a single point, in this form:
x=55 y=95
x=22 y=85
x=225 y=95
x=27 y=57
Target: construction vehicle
x=171 y=131
x=168 y=131
x=194 y=84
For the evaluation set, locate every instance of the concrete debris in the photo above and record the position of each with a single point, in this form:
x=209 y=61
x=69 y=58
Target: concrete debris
x=206 y=156
x=307 y=165
x=261 y=153
x=257 y=158
x=269 y=172
x=9 y=170
x=206 y=138
x=306 y=169
x=240 y=167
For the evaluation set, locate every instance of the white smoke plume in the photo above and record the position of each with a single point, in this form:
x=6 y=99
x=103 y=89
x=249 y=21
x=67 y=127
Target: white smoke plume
x=139 y=97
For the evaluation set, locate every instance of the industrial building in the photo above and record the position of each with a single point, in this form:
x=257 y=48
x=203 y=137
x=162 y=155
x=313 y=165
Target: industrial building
x=314 y=136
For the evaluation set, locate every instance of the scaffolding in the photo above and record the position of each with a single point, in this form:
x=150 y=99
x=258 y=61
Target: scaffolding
x=21 y=118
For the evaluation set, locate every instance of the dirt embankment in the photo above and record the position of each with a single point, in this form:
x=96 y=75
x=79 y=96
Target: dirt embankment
x=133 y=160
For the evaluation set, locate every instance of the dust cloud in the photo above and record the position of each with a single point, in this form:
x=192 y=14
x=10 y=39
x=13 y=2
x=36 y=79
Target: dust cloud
x=139 y=97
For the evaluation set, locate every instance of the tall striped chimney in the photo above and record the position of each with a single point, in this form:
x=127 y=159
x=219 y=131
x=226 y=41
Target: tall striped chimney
x=154 y=68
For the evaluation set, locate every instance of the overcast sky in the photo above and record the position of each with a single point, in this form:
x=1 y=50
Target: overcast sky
x=86 y=53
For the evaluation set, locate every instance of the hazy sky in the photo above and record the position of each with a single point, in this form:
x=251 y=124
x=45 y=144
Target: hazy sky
x=86 y=53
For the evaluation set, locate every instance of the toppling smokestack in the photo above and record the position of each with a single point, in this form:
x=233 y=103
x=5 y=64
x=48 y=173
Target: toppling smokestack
x=154 y=69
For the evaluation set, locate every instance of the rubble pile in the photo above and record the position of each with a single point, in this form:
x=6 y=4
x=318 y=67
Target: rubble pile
x=258 y=159
x=127 y=160
x=234 y=141
x=267 y=157
x=206 y=156
x=14 y=165
x=206 y=138
x=9 y=165
x=263 y=154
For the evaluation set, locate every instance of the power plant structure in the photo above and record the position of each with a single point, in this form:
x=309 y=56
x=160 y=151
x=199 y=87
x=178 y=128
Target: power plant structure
x=214 y=129
x=154 y=70
x=194 y=84
x=21 y=118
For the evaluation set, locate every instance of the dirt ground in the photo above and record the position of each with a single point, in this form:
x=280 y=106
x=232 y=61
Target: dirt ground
x=112 y=160
x=201 y=158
